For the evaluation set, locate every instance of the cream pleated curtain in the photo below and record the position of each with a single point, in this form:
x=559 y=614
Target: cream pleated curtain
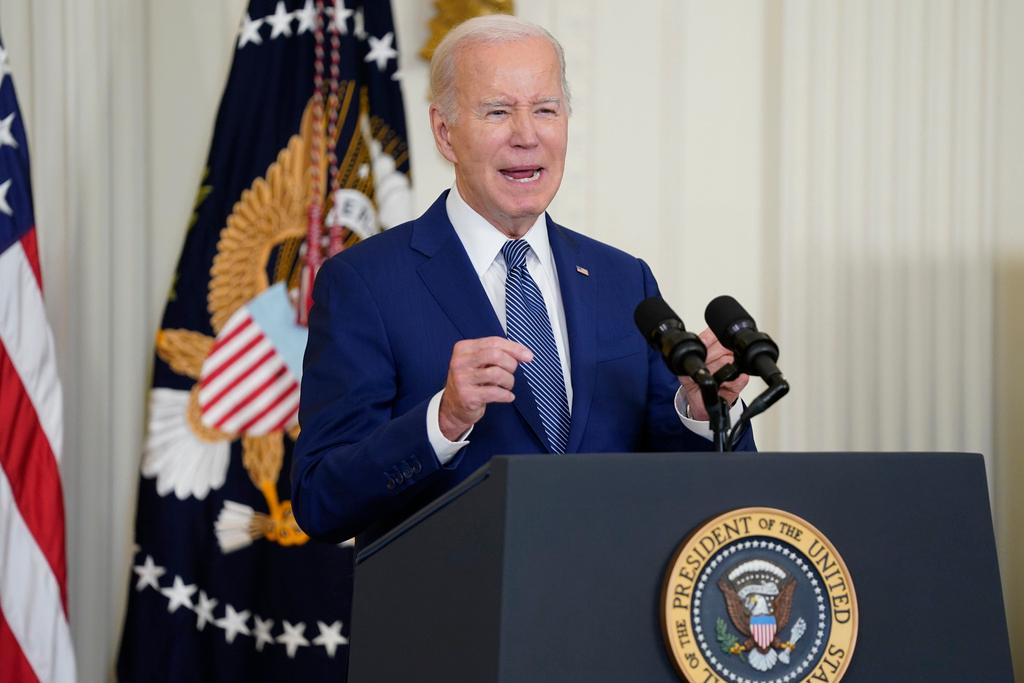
x=850 y=171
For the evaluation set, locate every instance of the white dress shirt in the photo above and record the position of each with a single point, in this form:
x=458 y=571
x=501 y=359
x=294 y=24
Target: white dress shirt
x=483 y=242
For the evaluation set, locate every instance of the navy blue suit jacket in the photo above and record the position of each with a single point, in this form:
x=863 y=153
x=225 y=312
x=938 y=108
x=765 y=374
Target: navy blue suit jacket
x=385 y=317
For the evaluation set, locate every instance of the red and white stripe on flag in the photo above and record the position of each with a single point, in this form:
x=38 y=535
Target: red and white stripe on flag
x=245 y=385
x=35 y=640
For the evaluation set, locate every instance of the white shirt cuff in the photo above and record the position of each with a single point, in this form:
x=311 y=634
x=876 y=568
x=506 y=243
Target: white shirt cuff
x=444 y=449
x=702 y=427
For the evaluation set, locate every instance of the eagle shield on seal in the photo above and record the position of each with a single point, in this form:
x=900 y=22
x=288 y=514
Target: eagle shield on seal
x=758 y=596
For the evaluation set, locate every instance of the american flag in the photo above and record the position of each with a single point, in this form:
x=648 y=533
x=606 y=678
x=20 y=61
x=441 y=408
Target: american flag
x=35 y=641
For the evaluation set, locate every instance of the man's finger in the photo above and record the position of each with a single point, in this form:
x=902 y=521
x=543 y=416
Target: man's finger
x=492 y=394
x=515 y=349
x=736 y=386
x=716 y=351
x=494 y=376
x=501 y=358
x=715 y=364
x=708 y=337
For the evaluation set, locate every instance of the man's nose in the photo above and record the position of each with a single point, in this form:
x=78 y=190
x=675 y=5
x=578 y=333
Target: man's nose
x=524 y=129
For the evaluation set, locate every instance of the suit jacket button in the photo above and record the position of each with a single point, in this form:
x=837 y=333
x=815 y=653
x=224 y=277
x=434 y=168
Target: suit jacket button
x=407 y=472
x=416 y=467
x=392 y=483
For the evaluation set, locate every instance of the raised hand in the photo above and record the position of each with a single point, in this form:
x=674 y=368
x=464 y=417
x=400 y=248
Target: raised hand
x=481 y=371
x=717 y=356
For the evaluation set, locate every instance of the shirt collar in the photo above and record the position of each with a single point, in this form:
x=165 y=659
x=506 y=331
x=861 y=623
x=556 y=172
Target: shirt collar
x=483 y=241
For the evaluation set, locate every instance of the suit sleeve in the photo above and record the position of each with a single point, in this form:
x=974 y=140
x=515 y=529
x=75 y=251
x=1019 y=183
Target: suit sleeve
x=663 y=430
x=355 y=458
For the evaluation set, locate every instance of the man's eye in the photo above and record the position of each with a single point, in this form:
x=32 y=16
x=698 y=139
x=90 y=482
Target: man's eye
x=547 y=111
x=497 y=113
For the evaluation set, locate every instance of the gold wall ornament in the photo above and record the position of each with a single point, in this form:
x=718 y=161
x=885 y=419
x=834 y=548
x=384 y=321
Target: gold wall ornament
x=451 y=13
x=271 y=215
x=183 y=350
x=270 y=212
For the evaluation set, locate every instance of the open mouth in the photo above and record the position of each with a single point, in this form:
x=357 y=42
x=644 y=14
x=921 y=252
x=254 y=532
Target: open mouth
x=522 y=174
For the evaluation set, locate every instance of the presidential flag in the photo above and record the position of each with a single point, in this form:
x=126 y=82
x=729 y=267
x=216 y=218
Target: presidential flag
x=35 y=641
x=308 y=156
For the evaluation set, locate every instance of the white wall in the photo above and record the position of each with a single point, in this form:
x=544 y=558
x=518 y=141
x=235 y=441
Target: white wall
x=850 y=171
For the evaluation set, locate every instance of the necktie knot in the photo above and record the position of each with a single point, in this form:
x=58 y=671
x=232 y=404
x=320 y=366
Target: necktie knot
x=515 y=252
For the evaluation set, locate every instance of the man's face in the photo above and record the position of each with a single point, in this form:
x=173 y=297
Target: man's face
x=508 y=140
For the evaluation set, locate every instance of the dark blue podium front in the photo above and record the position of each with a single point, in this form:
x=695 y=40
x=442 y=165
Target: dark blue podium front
x=550 y=568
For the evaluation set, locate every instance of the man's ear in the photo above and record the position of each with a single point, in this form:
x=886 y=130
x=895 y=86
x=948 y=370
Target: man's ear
x=442 y=134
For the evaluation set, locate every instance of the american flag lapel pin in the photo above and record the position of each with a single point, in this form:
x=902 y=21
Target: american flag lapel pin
x=582 y=271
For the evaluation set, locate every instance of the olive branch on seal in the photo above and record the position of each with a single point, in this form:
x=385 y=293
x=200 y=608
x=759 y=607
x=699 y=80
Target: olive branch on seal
x=726 y=640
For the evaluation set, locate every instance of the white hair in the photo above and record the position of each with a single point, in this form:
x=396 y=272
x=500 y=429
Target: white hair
x=490 y=28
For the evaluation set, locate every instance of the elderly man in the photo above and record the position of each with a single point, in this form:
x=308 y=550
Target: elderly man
x=482 y=327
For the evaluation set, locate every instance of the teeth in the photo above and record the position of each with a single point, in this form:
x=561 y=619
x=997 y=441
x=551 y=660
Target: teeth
x=536 y=174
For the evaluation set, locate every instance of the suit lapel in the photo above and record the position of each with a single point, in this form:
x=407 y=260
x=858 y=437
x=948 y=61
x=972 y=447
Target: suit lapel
x=579 y=301
x=449 y=275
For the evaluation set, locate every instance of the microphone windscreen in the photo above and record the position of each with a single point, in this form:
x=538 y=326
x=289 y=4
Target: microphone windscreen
x=652 y=312
x=726 y=317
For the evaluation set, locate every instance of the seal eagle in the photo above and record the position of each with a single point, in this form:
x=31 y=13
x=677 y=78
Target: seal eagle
x=759 y=599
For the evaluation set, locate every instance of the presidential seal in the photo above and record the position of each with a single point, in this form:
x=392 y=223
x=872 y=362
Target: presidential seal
x=758 y=595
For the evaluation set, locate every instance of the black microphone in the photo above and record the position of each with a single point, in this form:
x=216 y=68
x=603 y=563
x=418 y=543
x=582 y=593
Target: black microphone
x=683 y=351
x=755 y=352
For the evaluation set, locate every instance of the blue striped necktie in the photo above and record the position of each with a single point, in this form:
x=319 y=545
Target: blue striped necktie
x=528 y=323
